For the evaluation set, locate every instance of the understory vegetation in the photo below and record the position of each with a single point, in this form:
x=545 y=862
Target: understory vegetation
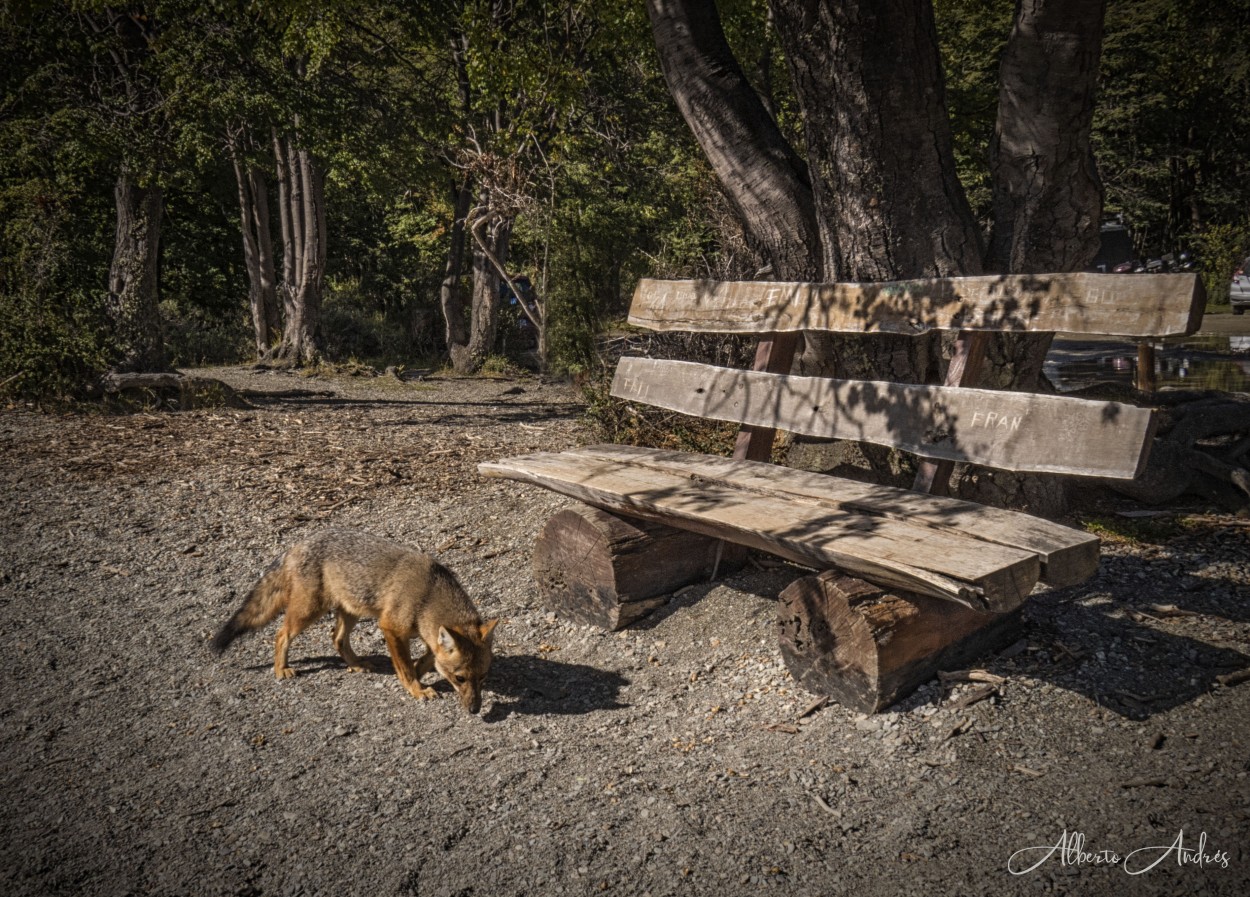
x=185 y=182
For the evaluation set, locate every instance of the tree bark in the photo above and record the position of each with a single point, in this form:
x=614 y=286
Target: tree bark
x=484 y=324
x=765 y=180
x=889 y=203
x=301 y=190
x=609 y=571
x=869 y=84
x=866 y=647
x=267 y=285
x=133 y=288
x=451 y=299
x=257 y=250
x=1047 y=195
x=284 y=209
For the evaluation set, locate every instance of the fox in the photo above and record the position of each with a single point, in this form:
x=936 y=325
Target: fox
x=358 y=575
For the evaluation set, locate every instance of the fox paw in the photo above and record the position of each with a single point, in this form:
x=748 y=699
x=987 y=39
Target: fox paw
x=284 y=673
x=423 y=694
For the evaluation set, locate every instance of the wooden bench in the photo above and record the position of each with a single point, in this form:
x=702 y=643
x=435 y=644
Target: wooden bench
x=914 y=581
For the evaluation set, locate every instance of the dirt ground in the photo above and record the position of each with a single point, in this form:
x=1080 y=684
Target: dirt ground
x=676 y=757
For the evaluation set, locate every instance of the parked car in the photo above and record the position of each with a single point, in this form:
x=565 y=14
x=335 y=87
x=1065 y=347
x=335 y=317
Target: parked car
x=1239 y=289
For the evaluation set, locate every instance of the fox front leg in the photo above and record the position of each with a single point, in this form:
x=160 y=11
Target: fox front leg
x=402 y=658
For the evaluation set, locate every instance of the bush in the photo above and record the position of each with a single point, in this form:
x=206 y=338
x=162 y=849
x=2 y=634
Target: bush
x=48 y=350
x=1221 y=248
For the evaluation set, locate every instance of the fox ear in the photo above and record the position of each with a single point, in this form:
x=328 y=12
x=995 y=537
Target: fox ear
x=487 y=628
x=445 y=640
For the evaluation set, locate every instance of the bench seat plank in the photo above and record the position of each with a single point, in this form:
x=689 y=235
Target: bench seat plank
x=1132 y=305
x=1068 y=556
x=1018 y=431
x=936 y=560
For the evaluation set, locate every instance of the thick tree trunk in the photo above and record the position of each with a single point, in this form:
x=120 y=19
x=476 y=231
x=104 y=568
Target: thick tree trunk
x=451 y=299
x=765 y=180
x=1047 y=195
x=484 y=324
x=869 y=83
x=889 y=203
x=133 y=287
x=257 y=252
x=301 y=190
x=866 y=647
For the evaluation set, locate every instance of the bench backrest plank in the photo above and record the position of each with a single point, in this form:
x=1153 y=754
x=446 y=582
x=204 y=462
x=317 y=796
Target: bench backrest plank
x=1132 y=305
x=1007 y=430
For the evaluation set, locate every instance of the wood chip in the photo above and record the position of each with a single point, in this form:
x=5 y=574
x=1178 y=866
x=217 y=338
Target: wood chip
x=1024 y=770
x=813 y=707
x=787 y=728
x=1144 y=783
x=972 y=676
x=973 y=697
x=1230 y=679
x=1171 y=610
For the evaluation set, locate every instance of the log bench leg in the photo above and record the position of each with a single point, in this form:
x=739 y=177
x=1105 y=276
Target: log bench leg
x=598 y=568
x=866 y=647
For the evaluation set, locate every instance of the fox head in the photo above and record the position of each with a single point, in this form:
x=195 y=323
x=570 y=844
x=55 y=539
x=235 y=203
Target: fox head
x=462 y=656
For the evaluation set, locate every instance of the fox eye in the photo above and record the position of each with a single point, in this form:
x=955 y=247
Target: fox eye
x=459 y=679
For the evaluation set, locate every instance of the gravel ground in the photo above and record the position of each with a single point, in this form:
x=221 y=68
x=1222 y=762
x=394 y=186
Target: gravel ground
x=676 y=757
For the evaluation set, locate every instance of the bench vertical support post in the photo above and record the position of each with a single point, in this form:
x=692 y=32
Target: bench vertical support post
x=775 y=355
x=965 y=369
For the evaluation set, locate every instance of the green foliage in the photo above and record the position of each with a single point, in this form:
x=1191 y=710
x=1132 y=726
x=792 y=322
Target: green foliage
x=1222 y=248
x=1172 y=127
x=626 y=423
x=566 y=126
x=972 y=35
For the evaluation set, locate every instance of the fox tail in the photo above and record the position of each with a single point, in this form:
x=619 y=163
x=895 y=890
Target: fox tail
x=262 y=604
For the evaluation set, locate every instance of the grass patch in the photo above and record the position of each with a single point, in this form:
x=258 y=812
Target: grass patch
x=1141 y=530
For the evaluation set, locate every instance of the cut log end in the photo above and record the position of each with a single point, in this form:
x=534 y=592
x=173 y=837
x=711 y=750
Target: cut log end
x=597 y=568
x=866 y=647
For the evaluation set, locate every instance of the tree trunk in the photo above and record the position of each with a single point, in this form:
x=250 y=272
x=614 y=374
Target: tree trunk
x=257 y=251
x=133 y=287
x=284 y=210
x=267 y=285
x=764 y=178
x=301 y=190
x=889 y=203
x=869 y=84
x=451 y=298
x=484 y=325
x=1047 y=194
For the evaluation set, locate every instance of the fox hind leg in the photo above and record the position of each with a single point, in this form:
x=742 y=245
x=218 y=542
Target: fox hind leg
x=292 y=626
x=344 y=623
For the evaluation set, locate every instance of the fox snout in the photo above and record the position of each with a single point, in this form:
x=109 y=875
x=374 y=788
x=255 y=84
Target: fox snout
x=463 y=659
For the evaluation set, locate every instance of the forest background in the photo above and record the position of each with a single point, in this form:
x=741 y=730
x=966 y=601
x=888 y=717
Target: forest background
x=199 y=182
